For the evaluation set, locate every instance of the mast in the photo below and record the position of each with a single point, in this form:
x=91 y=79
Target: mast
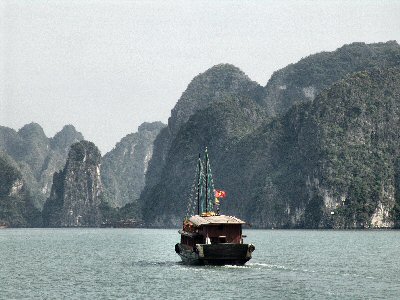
x=198 y=185
x=206 y=180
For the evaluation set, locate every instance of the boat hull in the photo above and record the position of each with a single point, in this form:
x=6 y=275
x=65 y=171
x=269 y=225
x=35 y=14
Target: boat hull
x=215 y=254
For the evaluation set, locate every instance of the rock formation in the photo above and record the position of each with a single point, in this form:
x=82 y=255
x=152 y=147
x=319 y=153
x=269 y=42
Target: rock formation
x=261 y=160
x=332 y=163
x=75 y=197
x=124 y=167
x=317 y=147
x=222 y=86
x=16 y=208
x=304 y=80
x=37 y=156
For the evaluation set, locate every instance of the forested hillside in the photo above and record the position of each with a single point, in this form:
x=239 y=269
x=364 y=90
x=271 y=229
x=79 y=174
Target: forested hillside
x=261 y=150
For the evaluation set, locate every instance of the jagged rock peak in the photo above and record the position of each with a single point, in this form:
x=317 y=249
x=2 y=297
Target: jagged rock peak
x=215 y=84
x=68 y=130
x=223 y=69
x=84 y=151
x=67 y=136
x=75 y=197
x=40 y=156
x=8 y=130
x=146 y=126
x=32 y=130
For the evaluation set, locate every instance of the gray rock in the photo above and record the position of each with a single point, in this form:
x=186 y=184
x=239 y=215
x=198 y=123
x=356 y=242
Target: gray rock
x=75 y=197
x=125 y=166
x=38 y=157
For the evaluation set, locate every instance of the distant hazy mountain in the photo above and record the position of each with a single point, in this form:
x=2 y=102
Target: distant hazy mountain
x=75 y=197
x=123 y=169
x=38 y=156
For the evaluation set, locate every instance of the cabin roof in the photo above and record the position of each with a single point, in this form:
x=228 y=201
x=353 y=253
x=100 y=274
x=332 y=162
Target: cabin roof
x=211 y=220
x=190 y=234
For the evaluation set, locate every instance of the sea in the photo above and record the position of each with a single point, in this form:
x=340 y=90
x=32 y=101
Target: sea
x=142 y=264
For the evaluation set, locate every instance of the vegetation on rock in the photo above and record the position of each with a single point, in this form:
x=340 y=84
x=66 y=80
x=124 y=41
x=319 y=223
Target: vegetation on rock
x=16 y=208
x=124 y=168
x=331 y=163
x=75 y=197
x=318 y=165
x=37 y=156
x=316 y=148
x=304 y=80
x=221 y=83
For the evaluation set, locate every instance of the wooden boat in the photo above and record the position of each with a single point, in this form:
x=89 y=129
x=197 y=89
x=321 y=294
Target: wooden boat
x=209 y=238
x=3 y=225
x=124 y=223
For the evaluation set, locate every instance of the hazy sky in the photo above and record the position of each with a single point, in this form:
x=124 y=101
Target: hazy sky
x=108 y=66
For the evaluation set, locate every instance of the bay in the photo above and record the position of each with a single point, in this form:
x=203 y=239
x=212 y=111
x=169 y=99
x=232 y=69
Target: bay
x=141 y=264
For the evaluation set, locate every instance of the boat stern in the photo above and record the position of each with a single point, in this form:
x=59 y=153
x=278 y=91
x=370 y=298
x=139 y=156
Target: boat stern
x=224 y=253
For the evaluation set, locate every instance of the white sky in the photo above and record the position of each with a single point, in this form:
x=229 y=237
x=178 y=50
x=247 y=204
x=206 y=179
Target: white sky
x=108 y=66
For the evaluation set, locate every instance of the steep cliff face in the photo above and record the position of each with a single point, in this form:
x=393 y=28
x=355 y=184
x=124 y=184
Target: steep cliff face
x=332 y=163
x=221 y=82
x=16 y=208
x=57 y=156
x=237 y=117
x=124 y=167
x=304 y=80
x=359 y=146
x=75 y=197
x=34 y=148
x=269 y=170
x=38 y=157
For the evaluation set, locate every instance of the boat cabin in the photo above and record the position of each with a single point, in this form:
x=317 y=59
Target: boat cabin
x=218 y=229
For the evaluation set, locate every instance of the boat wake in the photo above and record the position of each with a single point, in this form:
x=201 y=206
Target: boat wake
x=143 y=263
x=336 y=274
x=275 y=267
x=235 y=267
x=268 y=266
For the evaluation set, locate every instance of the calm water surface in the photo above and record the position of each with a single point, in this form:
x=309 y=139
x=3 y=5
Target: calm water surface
x=142 y=264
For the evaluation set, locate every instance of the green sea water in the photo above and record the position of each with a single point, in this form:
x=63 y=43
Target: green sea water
x=142 y=264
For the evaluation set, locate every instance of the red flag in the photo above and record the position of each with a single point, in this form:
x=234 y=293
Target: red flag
x=220 y=194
